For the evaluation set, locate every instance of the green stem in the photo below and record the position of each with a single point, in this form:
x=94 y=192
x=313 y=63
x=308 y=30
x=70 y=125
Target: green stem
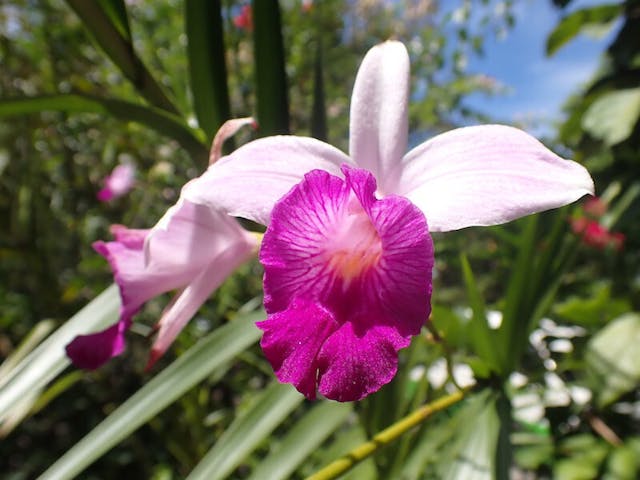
x=386 y=436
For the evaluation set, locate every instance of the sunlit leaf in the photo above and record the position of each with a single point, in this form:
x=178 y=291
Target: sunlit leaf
x=613 y=358
x=613 y=116
x=577 y=21
x=473 y=450
x=210 y=353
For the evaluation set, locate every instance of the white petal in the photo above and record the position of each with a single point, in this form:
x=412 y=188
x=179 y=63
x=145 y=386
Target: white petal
x=488 y=175
x=252 y=179
x=379 y=113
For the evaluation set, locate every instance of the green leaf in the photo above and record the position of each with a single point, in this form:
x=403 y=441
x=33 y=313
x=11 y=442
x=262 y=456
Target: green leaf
x=164 y=123
x=120 y=50
x=31 y=341
x=116 y=10
x=481 y=337
x=247 y=431
x=517 y=307
x=613 y=358
x=207 y=65
x=270 y=75
x=574 y=23
x=613 y=115
x=472 y=452
x=47 y=361
x=209 y=354
x=318 y=112
x=303 y=439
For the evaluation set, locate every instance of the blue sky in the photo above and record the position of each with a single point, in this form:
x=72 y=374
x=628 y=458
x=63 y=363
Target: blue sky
x=538 y=85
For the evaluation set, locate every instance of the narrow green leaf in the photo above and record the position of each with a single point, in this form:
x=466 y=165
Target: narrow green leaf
x=164 y=123
x=517 y=310
x=49 y=358
x=207 y=65
x=270 y=77
x=303 y=439
x=474 y=449
x=247 y=431
x=575 y=22
x=197 y=363
x=121 y=52
x=319 y=111
x=31 y=341
x=482 y=338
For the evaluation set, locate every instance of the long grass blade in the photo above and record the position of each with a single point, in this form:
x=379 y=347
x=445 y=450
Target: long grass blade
x=197 y=363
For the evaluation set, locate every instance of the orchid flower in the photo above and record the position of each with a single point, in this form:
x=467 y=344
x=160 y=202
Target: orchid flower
x=347 y=253
x=118 y=183
x=193 y=249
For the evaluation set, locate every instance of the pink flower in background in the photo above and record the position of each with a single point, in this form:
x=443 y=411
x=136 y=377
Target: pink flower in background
x=194 y=252
x=347 y=252
x=244 y=20
x=118 y=183
x=193 y=248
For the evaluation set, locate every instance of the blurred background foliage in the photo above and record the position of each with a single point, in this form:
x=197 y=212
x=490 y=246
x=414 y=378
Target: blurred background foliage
x=566 y=300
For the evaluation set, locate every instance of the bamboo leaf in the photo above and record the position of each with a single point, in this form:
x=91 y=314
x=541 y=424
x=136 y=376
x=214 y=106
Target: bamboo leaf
x=304 y=438
x=164 y=123
x=270 y=76
x=121 y=52
x=207 y=65
x=247 y=431
x=197 y=363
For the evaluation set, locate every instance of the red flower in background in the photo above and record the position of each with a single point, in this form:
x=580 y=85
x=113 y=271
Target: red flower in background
x=593 y=233
x=244 y=20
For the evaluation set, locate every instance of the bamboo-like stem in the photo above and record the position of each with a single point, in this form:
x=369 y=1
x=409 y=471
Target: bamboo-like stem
x=386 y=436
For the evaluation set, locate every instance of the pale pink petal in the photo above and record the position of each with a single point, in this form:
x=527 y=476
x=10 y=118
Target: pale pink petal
x=487 y=175
x=291 y=342
x=379 y=113
x=185 y=305
x=248 y=182
x=136 y=282
x=189 y=236
x=354 y=363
